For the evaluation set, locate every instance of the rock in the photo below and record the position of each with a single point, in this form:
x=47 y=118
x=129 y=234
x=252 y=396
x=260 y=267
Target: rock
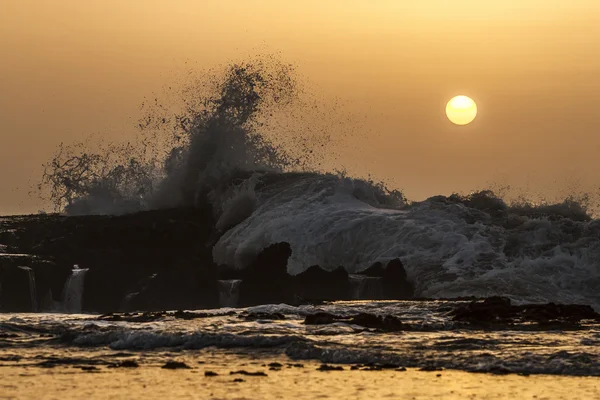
x=119 y=251
x=394 y=280
x=210 y=373
x=266 y=281
x=15 y=270
x=88 y=368
x=275 y=365
x=431 y=368
x=499 y=312
x=387 y=323
x=238 y=380
x=319 y=284
x=320 y=318
x=325 y=367
x=175 y=365
x=244 y=372
x=253 y=316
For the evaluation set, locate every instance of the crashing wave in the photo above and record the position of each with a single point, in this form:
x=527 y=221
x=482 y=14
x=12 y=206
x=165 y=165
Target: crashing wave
x=262 y=193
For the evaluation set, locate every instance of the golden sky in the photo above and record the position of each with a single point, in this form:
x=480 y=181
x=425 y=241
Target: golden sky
x=69 y=68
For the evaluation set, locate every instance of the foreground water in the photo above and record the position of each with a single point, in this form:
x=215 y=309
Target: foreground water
x=39 y=353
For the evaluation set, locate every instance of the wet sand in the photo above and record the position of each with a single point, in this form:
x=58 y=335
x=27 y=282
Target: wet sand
x=293 y=380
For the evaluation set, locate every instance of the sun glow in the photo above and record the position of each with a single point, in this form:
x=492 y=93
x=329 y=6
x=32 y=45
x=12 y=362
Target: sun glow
x=461 y=110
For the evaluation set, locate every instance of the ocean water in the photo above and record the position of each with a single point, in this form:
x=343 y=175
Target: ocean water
x=429 y=339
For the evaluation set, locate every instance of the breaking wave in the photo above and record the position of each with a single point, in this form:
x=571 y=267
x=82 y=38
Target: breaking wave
x=267 y=186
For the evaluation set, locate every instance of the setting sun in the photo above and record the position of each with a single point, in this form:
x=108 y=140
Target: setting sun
x=461 y=110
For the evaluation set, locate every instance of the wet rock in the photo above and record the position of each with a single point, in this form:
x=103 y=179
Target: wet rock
x=431 y=368
x=120 y=251
x=247 y=373
x=175 y=365
x=387 y=323
x=498 y=312
x=326 y=367
x=88 y=368
x=181 y=287
x=395 y=283
x=265 y=280
x=253 y=316
x=318 y=284
x=321 y=318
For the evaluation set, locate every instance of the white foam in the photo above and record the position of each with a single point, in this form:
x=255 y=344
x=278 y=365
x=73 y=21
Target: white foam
x=447 y=248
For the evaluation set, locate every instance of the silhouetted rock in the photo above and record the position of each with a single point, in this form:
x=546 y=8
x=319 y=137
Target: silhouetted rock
x=321 y=318
x=318 y=284
x=498 y=311
x=386 y=323
x=247 y=373
x=395 y=284
x=325 y=367
x=119 y=251
x=266 y=279
x=253 y=316
x=175 y=365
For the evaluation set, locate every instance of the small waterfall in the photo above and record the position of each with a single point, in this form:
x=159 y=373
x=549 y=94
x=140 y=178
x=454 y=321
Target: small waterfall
x=366 y=287
x=73 y=291
x=229 y=292
x=32 y=288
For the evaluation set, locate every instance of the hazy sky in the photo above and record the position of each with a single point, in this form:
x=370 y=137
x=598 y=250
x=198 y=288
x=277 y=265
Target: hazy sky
x=69 y=68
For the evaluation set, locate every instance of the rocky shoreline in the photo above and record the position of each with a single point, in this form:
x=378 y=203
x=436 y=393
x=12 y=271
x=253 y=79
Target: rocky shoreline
x=160 y=260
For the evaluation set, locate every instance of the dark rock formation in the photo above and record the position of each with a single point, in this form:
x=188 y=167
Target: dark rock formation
x=155 y=260
x=498 y=312
x=326 y=367
x=266 y=280
x=15 y=270
x=247 y=373
x=318 y=284
x=395 y=285
x=121 y=253
x=175 y=365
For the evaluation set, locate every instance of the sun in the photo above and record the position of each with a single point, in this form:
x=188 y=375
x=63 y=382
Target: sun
x=461 y=110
